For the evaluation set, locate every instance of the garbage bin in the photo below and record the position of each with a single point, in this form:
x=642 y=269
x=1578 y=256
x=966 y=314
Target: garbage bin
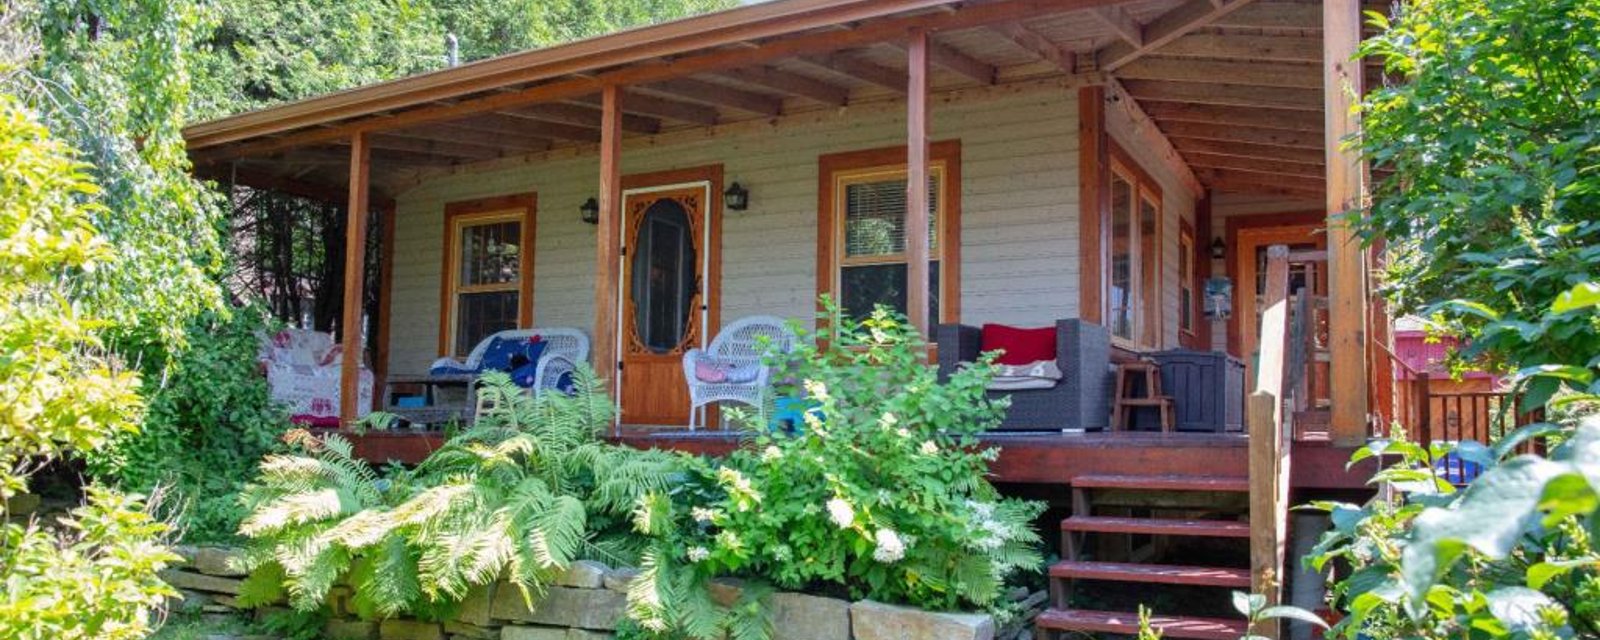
x=1207 y=388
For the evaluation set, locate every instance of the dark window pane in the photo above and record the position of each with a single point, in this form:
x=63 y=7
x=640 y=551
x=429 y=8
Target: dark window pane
x=479 y=315
x=664 y=269
x=490 y=253
x=1121 y=291
x=863 y=287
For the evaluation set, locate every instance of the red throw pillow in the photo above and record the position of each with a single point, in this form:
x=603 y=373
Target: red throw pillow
x=1020 y=346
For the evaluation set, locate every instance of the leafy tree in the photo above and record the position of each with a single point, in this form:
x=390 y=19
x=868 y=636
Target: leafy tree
x=1492 y=203
x=104 y=238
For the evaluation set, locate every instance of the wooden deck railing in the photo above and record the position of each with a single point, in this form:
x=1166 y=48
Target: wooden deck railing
x=1269 y=434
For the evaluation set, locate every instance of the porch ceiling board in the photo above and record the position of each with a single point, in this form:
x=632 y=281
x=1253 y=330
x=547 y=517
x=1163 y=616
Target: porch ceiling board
x=1038 y=45
x=485 y=134
x=848 y=64
x=1252 y=135
x=438 y=142
x=1172 y=25
x=1225 y=94
x=1287 y=119
x=533 y=125
x=634 y=103
x=794 y=84
x=585 y=116
x=1256 y=165
x=1245 y=46
x=1246 y=150
x=1256 y=73
x=1238 y=180
x=717 y=95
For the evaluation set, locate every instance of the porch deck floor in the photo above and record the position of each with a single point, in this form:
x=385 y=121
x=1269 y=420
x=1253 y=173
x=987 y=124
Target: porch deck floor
x=1025 y=457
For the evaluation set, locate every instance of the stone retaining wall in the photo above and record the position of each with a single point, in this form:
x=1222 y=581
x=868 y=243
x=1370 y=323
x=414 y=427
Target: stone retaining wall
x=585 y=604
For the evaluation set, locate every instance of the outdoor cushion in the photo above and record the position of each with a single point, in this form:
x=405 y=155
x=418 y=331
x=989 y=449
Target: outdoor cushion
x=1019 y=346
x=714 y=372
x=1043 y=374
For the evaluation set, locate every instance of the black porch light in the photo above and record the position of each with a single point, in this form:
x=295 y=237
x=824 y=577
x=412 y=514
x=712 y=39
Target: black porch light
x=1219 y=249
x=736 y=197
x=590 y=211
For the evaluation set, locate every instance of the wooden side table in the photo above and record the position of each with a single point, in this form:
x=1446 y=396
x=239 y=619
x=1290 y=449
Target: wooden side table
x=437 y=409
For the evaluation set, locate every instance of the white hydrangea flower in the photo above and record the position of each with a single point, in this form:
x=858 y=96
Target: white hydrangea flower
x=702 y=514
x=817 y=389
x=890 y=548
x=888 y=419
x=929 y=448
x=903 y=432
x=771 y=453
x=841 y=513
x=696 y=554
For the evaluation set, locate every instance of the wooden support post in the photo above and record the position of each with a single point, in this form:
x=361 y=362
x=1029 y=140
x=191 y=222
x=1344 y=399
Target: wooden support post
x=1269 y=444
x=607 y=233
x=1091 y=190
x=1346 y=185
x=916 y=229
x=355 y=259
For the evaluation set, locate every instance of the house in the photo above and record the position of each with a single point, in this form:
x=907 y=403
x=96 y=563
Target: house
x=1104 y=160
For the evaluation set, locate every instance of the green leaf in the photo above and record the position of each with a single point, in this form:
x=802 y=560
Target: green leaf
x=1464 y=306
x=1542 y=573
x=1293 y=613
x=1583 y=296
x=1518 y=607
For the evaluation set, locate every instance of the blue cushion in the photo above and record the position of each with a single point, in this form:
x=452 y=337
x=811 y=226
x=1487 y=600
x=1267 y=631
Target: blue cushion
x=450 y=369
x=523 y=375
x=497 y=356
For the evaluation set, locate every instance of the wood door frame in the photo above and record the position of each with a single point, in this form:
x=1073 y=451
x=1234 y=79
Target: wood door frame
x=453 y=211
x=1295 y=222
x=661 y=181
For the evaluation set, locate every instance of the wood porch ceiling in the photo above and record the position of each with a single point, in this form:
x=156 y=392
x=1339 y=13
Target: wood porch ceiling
x=1234 y=84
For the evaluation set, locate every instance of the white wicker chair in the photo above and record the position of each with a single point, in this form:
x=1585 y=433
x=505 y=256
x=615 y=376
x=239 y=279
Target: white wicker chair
x=564 y=349
x=739 y=344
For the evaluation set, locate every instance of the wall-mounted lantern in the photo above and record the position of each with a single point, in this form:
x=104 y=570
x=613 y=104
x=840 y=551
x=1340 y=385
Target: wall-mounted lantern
x=736 y=198
x=590 y=211
x=1219 y=249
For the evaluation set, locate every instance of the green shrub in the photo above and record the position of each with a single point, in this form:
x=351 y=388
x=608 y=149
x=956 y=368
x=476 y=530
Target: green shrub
x=523 y=492
x=210 y=419
x=1512 y=556
x=880 y=494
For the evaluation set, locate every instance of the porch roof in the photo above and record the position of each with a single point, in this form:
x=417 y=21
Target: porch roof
x=1235 y=85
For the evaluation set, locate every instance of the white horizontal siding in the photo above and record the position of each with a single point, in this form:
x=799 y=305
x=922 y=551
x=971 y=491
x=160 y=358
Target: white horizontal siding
x=1019 y=218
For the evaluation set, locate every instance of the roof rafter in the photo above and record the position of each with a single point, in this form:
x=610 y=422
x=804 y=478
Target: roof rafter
x=868 y=72
x=1037 y=44
x=647 y=105
x=585 y=116
x=715 y=94
x=1170 y=26
x=1121 y=23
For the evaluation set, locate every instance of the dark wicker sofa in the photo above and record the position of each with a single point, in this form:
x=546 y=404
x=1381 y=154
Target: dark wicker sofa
x=1082 y=400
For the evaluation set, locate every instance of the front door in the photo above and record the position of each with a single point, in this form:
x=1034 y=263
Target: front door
x=667 y=286
x=1250 y=290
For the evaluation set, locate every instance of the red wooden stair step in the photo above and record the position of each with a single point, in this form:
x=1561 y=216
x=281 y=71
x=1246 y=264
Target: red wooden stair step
x=1162 y=482
x=1128 y=623
x=1158 y=526
x=1157 y=573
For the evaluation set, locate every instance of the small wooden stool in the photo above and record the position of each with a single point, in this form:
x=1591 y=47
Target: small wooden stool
x=1127 y=398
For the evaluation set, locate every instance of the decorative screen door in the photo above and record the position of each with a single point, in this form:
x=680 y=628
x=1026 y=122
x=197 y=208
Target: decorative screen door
x=666 y=306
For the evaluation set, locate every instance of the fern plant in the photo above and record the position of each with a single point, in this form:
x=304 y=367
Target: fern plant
x=526 y=490
x=880 y=494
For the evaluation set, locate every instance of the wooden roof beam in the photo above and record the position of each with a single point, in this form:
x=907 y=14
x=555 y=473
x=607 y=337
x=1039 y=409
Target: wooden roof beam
x=1037 y=44
x=716 y=94
x=1170 y=26
x=646 y=105
x=1121 y=23
x=1226 y=94
x=585 y=116
x=871 y=73
x=475 y=128
x=793 y=84
x=1248 y=182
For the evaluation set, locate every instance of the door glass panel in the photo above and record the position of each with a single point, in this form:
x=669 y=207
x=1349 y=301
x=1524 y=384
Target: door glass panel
x=664 y=284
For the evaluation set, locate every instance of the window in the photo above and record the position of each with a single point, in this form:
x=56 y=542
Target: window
x=1133 y=282
x=864 y=212
x=488 y=271
x=1186 y=282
